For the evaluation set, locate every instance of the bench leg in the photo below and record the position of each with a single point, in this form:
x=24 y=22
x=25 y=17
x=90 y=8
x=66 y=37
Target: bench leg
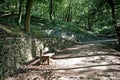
x=44 y=59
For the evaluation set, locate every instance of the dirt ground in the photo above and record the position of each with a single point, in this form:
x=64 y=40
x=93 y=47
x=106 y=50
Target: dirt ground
x=80 y=62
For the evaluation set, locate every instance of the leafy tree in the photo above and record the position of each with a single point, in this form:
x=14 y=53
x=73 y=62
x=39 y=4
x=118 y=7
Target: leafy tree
x=117 y=28
x=111 y=6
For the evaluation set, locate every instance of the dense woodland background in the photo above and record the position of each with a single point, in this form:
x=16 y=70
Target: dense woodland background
x=101 y=17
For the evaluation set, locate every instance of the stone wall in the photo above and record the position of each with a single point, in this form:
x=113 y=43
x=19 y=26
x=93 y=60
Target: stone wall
x=49 y=44
x=17 y=50
x=13 y=52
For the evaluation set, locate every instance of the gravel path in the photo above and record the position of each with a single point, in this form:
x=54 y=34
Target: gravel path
x=80 y=62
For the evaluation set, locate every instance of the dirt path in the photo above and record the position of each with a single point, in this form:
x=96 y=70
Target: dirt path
x=100 y=41
x=80 y=62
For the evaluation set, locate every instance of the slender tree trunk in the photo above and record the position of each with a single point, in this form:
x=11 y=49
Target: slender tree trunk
x=16 y=4
x=89 y=20
x=50 y=12
x=69 y=12
x=117 y=28
x=89 y=25
x=20 y=12
x=28 y=16
x=68 y=15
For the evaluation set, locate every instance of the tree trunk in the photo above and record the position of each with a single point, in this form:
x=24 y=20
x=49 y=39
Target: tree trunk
x=50 y=12
x=117 y=28
x=20 y=12
x=27 y=16
x=16 y=4
x=89 y=22
x=89 y=25
x=69 y=13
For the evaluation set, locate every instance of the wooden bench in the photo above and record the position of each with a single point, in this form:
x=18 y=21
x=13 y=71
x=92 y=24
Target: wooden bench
x=44 y=59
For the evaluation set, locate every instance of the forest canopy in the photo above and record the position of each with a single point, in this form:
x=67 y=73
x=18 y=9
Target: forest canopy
x=99 y=16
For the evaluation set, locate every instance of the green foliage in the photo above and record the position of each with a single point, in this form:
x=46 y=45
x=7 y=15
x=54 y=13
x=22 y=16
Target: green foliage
x=42 y=24
x=97 y=13
x=10 y=19
x=105 y=31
